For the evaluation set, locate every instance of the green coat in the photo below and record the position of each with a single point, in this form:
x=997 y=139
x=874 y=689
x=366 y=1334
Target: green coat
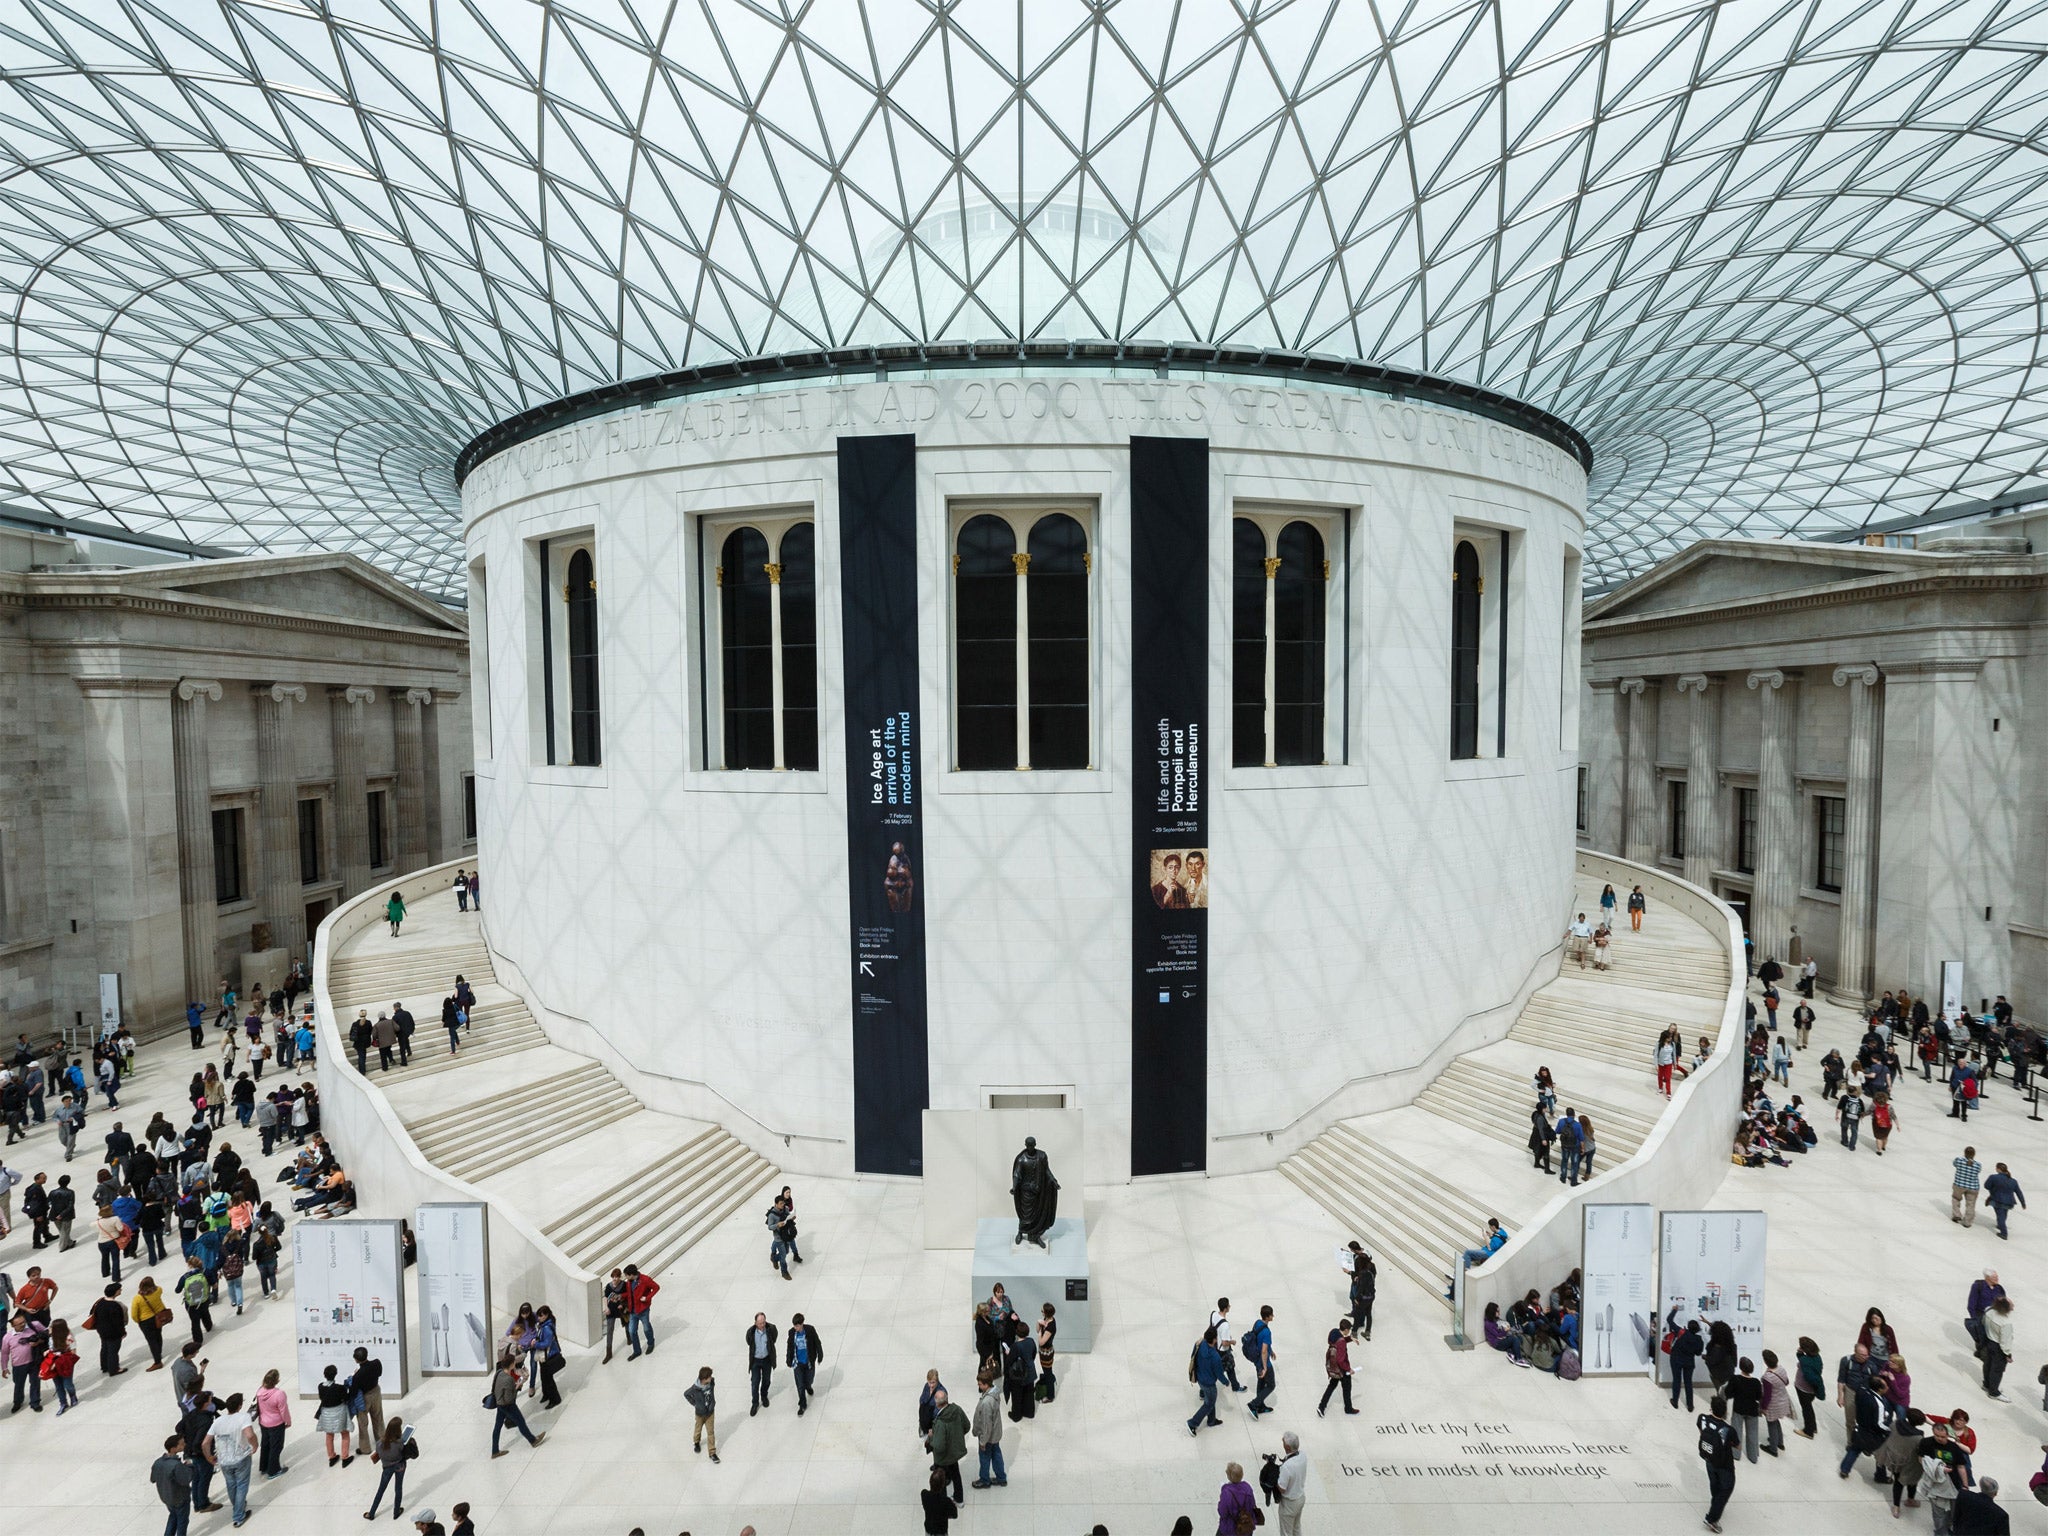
x=394 y=910
x=949 y=1435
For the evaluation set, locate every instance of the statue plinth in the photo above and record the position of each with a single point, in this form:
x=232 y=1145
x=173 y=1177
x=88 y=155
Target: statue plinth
x=1032 y=1276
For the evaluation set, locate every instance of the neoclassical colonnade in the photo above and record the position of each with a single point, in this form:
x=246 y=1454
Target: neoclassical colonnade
x=1629 y=782
x=276 y=850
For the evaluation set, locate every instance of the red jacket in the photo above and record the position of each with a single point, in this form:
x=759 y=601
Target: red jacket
x=640 y=1293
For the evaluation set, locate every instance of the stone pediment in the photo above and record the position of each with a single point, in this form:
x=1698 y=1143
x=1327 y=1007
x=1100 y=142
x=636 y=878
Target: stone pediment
x=341 y=587
x=1726 y=572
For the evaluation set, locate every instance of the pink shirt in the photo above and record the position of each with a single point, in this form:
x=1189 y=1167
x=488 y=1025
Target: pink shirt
x=272 y=1407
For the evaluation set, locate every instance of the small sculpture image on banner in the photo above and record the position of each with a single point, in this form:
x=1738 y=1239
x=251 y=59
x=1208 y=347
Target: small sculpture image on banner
x=1180 y=878
x=899 y=886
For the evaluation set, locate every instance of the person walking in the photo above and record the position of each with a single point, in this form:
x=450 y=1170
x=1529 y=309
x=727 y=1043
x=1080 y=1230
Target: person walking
x=505 y=1399
x=1850 y=1113
x=988 y=1434
x=760 y=1342
x=150 y=1312
x=803 y=1354
x=1998 y=1346
x=948 y=1443
x=273 y=1418
x=1802 y=1023
x=615 y=1311
x=1205 y=1370
x=640 y=1293
x=1638 y=906
x=1337 y=1366
x=1717 y=1455
x=1777 y=1403
x=1540 y=1138
x=384 y=1034
x=1365 y=1279
x=395 y=1447
x=394 y=912
x=1962 y=1195
x=939 y=1510
x=171 y=1475
x=21 y=1351
x=196 y=1292
x=1226 y=1340
x=702 y=1396
x=231 y=1447
x=2002 y=1192
x=1291 y=1488
x=1258 y=1348
x=1809 y=1382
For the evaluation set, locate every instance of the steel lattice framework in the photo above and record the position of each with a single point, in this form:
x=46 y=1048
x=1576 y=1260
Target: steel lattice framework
x=267 y=264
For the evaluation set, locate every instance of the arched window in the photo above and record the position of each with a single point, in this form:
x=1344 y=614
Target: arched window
x=746 y=624
x=1299 y=588
x=1279 y=632
x=1465 y=595
x=1056 y=621
x=580 y=598
x=1021 y=642
x=985 y=585
x=799 y=672
x=767 y=597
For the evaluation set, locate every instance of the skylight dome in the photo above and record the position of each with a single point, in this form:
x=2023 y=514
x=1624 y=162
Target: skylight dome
x=268 y=266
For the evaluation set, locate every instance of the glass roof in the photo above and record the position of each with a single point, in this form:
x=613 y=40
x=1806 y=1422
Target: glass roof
x=266 y=265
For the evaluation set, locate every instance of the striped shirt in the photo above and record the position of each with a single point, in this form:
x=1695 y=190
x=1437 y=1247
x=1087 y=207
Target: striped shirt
x=1969 y=1173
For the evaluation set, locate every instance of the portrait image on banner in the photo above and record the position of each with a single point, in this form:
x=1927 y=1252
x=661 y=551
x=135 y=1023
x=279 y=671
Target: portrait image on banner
x=1711 y=1270
x=454 y=1281
x=1618 y=1290
x=348 y=1292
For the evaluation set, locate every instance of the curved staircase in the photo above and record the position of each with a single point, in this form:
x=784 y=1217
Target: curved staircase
x=1417 y=1184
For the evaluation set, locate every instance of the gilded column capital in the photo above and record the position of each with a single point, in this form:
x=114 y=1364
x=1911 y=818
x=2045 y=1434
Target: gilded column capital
x=1863 y=672
x=191 y=688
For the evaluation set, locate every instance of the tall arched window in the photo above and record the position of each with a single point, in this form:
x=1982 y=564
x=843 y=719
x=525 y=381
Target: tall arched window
x=1465 y=595
x=580 y=598
x=985 y=643
x=799 y=672
x=1299 y=587
x=1280 y=621
x=1056 y=614
x=767 y=603
x=746 y=650
x=1021 y=641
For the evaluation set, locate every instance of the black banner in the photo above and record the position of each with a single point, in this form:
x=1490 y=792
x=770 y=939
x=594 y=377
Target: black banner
x=878 y=605
x=1169 y=804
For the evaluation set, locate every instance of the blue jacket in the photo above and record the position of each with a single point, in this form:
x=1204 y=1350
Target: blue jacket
x=1208 y=1364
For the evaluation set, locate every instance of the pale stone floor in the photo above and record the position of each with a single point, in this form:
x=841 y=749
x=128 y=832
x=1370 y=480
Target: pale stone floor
x=1846 y=1233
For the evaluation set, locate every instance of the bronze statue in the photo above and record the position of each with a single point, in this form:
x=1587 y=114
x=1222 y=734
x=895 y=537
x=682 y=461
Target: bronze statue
x=1035 y=1193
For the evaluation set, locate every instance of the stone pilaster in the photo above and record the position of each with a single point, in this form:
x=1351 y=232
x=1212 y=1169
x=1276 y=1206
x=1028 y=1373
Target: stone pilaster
x=412 y=776
x=351 y=790
x=1603 y=734
x=1702 y=777
x=1777 y=867
x=192 y=766
x=283 y=904
x=1639 y=832
x=1851 y=985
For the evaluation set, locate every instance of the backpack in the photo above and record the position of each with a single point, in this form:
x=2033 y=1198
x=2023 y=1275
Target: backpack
x=1331 y=1365
x=1269 y=1480
x=1881 y=1117
x=1568 y=1365
x=1969 y=1087
x=1716 y=1439
x=1194 y=1355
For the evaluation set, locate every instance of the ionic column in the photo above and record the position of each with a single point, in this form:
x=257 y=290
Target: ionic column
x=1851 y=984
x=774 y=570
x=351 y=787
x=412 y=777
x=1639 y=823
x=1020 y=563
x=192 y=767
x=279 y=814
x=1606 y=774
x=1777 y=870
x=1702 y=777
x=1272 y=658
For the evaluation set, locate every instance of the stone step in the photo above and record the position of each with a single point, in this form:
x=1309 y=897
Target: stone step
x=1505 y=1123
x=663 y=1209
x=475 y=1048
x=504 y=1117
x=543 y=1135
x=1519 y=1089
x=443 y=1120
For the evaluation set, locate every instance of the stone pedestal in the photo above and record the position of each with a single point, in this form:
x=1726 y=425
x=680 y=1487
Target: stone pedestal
x=1032 y=1276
